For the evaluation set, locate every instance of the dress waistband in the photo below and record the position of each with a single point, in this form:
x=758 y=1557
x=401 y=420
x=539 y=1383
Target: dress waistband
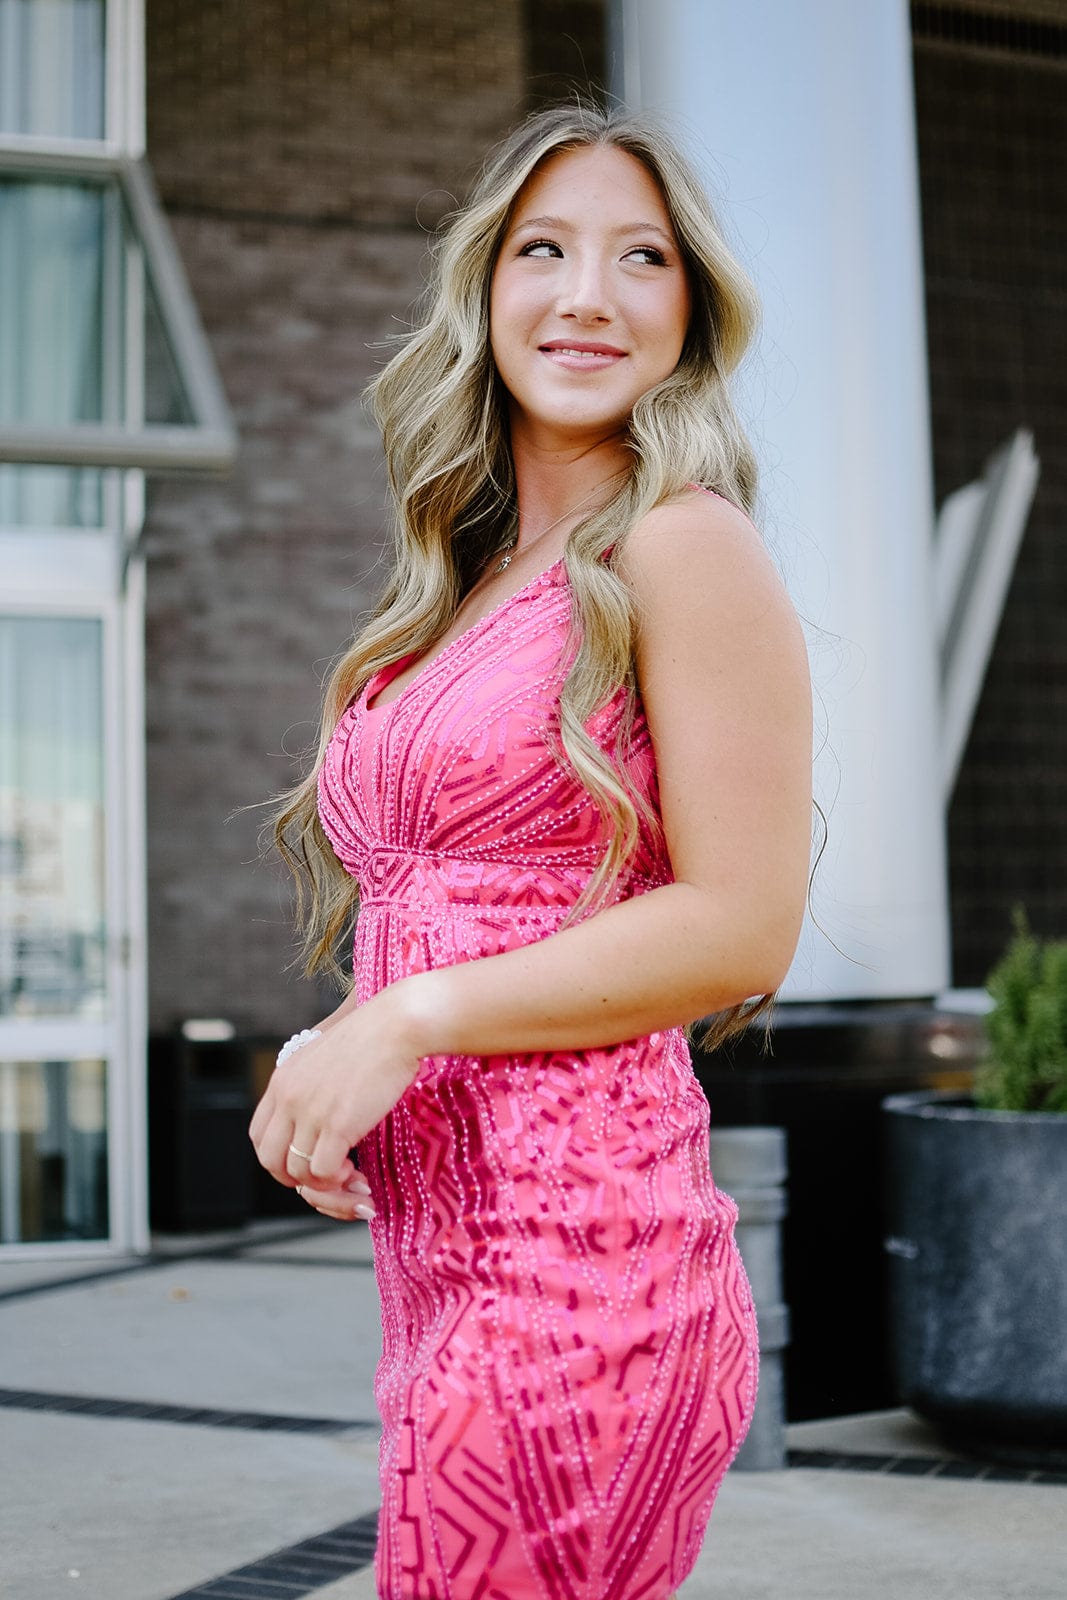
x=392 y=876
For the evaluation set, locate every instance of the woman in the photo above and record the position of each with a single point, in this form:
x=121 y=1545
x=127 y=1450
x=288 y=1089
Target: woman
x=568 y=764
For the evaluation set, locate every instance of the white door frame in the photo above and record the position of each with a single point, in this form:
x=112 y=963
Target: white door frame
x=121 y=1039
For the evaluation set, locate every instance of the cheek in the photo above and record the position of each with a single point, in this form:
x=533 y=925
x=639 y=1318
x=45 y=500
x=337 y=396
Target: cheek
x=505 y=318
x=494 y=314
x=665 y=323
x=682 y=314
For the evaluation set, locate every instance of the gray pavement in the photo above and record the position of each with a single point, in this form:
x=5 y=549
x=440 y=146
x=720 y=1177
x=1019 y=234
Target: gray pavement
x=240 y=1423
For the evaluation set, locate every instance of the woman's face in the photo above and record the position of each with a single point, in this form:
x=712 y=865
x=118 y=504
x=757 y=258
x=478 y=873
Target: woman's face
x=589 y=302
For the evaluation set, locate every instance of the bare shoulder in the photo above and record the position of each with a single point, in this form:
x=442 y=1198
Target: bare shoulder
x=723 y=677
x=701 y=554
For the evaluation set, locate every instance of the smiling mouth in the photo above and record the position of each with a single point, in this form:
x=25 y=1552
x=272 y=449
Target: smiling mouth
x=583 y=357
x=583 y=350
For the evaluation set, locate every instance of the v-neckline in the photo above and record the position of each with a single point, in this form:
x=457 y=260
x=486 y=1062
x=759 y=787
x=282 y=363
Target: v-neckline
x=376 y=685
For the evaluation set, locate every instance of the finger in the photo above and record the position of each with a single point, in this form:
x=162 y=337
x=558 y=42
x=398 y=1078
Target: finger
x=341 y=1204
x=298 y=1153
x=261 y=1116
x=272 y=1151
x=355 y=1191
x=341 y=1213
x=330 y=1159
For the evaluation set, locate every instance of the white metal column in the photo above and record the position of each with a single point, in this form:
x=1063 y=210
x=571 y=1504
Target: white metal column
x=802 y=118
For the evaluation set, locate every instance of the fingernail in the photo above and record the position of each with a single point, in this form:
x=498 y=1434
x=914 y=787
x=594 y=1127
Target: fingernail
x=358 y=1186
x=364 y=1211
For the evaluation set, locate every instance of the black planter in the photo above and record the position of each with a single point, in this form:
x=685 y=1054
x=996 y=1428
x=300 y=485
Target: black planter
x=976 y=1236
x=824 y=1083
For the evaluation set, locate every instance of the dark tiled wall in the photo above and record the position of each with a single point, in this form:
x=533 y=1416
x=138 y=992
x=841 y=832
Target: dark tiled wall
x=565 y=49
x=992 y=134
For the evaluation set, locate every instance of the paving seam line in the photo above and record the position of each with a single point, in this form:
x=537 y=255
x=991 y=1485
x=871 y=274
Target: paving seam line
x=298 y=1569
x=907 y=1466
x=114 y=1409
x=229 y=1249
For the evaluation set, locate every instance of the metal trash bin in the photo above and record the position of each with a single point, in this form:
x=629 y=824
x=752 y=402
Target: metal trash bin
x=750 y=1165
x=201 y=1164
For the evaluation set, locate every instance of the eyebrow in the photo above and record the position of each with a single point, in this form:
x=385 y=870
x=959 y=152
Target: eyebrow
x=561 y=225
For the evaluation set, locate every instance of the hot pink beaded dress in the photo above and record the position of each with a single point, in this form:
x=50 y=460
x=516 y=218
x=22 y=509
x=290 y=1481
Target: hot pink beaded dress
x=570 y=1348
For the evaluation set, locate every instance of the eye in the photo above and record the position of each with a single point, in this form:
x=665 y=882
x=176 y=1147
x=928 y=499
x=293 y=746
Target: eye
x=541 y=249
x=652 y=256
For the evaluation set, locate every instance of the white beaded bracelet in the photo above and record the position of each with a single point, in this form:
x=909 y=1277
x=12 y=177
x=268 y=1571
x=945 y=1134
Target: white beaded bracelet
x=291 y=1046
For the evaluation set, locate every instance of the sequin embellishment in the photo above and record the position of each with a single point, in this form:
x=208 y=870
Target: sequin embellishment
x=569 y=1345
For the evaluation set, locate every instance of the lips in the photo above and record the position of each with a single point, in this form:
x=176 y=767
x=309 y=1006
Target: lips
x=580 y=347
x=582 y=355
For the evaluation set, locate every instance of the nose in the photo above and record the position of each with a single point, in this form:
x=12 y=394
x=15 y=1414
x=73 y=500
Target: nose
x=584 y=290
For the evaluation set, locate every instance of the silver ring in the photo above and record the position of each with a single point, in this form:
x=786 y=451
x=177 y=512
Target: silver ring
x=293 y=1151
x=300 y=1190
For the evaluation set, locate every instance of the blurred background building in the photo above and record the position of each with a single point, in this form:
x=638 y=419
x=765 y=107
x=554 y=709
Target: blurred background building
x=192 y=504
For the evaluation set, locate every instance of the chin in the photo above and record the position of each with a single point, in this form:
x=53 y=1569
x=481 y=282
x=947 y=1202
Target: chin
x=581 y=426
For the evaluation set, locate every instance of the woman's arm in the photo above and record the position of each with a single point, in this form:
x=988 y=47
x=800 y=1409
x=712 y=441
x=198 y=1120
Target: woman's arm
x=724 y=683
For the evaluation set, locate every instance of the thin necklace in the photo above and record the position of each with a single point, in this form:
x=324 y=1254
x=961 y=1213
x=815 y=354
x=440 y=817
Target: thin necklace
x=507 y=550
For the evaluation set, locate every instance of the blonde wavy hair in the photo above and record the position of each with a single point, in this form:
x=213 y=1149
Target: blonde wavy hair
x=443 y=417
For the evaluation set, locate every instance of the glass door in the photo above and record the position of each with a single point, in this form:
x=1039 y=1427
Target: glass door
x=71 y=836
x=104 y=373
x=54 y=999
x=71 y=939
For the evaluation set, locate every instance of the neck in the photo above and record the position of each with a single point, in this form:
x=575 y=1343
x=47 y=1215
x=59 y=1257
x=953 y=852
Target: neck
x=550 y=488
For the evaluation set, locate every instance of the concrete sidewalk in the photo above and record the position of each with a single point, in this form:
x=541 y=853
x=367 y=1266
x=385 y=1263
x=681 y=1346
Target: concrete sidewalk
x=202 y=1424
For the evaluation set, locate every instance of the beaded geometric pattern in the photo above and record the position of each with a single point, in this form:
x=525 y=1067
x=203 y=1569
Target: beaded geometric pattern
x=570 y=1348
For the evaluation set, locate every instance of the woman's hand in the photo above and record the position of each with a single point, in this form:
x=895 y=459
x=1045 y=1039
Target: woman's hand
x=350 y=1203
x=328 y=1095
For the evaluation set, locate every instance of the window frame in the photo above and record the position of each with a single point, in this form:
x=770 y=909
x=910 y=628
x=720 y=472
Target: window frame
x=209 y=443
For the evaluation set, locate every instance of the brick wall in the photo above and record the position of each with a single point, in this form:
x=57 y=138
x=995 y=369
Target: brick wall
x=992 y=121
x=301 y=152
x=357 y=113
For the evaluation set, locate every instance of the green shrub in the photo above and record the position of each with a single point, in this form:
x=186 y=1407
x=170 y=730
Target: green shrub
x=1027 y=1027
